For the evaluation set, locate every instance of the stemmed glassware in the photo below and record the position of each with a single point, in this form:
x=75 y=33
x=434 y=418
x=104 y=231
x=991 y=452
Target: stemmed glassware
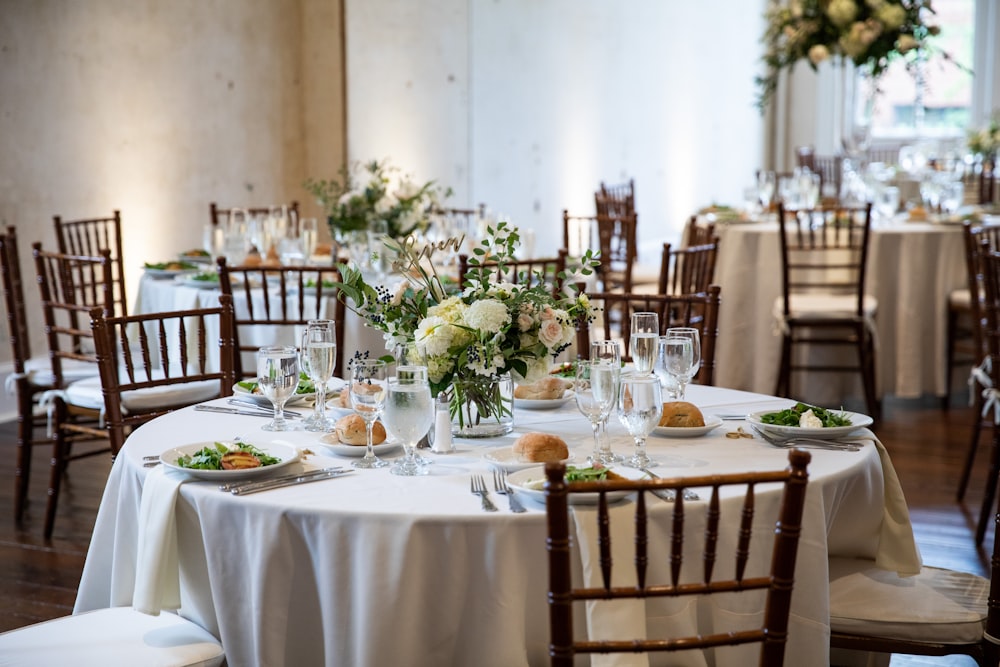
x=667 y=381
x=278 y=377
x=308 y=236
x=644 y=341
x=682 y=356
x=639 y=408
x=766 y=182
x=409 y=412
x=609 y=351
x=368 y=400
x=319 y=356
x=596 y=393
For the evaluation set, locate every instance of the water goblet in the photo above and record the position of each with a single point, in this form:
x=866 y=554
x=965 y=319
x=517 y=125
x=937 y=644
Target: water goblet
x=667 y=381
x=645 y=337
x=308 y=237
x=639 y=408
x=278 y=377
x=682 y=356
x=319 y=356
x=368 y=400
x=409 y=412
x=595 y=388
x=611 y=352
x=766 y=182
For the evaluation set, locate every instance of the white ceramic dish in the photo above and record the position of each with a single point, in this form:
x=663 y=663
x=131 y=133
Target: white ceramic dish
x=711 y=422
x=530 y=482
x=162 y=274
x=260 y=399
x=506 y=459
x=544 y=403
x=285 y=452
x=189 y=280
x=858 y=420
x=196 y=259
x=331 y=443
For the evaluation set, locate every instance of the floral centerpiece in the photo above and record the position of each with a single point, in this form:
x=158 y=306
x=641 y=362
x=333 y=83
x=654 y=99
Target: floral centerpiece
x=986 y=142
x=376 y=191
x=469 y=337
x=869 y=33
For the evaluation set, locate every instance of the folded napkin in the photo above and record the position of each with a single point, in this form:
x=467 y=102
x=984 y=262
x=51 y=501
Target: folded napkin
x=157 y=575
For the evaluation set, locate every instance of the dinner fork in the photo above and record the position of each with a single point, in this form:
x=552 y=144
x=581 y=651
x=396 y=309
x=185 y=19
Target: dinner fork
x=805 y=442
x=500 y=484
x=479 y=489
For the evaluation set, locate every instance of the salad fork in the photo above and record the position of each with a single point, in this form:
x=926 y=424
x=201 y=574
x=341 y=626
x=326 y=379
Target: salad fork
x=479 y=489
x=806 y=442
x=501 y=486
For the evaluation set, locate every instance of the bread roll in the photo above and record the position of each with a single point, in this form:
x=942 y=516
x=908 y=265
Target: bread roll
x=681 y=414
x=344 y=399
x=541 y=448
x=548 y=388
x=350 y=430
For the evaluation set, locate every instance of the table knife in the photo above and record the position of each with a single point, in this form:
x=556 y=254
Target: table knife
x=234 y=411
x=267 y=484
x=293 y=475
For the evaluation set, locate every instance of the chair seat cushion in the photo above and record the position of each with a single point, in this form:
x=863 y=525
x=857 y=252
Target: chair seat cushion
x=960 y=299
x=87 y=394
x=116 y=636
x=936 y=605
x=644 y=274
x=825 y=306
x=39 y=370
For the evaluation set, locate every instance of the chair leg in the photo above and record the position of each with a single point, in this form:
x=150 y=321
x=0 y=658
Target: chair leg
x=783 y=385
x=970 y=456
x=57 y=467
x=986 y=512
x=950 y=335
x=866 y=359
x=25 y=437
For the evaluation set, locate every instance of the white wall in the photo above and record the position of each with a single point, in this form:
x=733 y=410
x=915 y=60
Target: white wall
x=527 y=105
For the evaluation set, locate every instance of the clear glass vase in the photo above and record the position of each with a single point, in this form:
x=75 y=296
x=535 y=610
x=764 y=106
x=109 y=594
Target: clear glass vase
x=482 y=407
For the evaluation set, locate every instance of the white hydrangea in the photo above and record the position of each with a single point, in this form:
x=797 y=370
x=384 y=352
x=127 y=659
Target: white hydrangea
x=488 y=315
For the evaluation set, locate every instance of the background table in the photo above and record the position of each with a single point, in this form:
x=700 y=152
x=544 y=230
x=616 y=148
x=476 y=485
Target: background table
x=375 y=569
x=912 y=267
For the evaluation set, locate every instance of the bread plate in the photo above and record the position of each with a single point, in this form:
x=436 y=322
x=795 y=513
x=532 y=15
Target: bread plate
x=507 y=459
x=242 y=392
x=711 y=422
x=544 y=403
x=857 y=419
x=332 y=443
x=287 y=453
x=531 y=483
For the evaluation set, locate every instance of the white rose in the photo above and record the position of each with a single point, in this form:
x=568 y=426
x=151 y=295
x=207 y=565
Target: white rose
x=842 y=12
x=524 y=322
x=435 y=335
x=407 y=190
x=550 y=333
x=818 y=53
x=386 y=204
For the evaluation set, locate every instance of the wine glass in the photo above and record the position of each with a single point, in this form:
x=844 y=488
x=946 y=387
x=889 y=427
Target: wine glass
x=319 y=356
x=368 y=400
x=409 y=412
x=645 y=337
x=682 y=356
x=596 y=392
x=309 y=237
x=639 y=408
x=278 y=377
x=611 y=352
x=765 y=189
x=667 y=381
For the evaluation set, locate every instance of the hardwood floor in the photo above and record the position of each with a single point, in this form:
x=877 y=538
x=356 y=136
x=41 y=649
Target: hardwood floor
x=927 y=445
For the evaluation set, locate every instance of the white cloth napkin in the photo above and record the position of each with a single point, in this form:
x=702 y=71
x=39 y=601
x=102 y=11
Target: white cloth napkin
x=157 y=576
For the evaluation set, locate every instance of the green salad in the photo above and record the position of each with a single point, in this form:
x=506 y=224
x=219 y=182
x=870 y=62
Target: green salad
x=793 y=415
x=210 y=458
x=305 y=385
x=206 y=277
x=170 y=266
x=590 y=474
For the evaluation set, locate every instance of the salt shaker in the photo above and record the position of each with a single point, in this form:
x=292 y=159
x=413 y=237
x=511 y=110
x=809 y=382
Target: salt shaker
x=442 y=425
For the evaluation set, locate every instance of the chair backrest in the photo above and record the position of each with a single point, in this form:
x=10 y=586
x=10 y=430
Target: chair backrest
x=698 y=233
x=87 y=238
x=979 y=240
x=528 y=272
x=687 y=270
x=71 y=286
x=266 y=299
x=13 y=293
x=162 y=355
x=824 y=252
x=718 y=574
x=219 y=215
x=614 y=236
x=616 y=199
x=700 y=311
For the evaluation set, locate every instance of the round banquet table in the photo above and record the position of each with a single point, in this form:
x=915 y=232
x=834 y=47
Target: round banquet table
x=375 y=569
x=912 y=268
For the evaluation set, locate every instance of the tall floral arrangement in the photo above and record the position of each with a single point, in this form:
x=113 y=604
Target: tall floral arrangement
x=369 y=192
x=869 y=33
x=484 y=329
x=985 y=142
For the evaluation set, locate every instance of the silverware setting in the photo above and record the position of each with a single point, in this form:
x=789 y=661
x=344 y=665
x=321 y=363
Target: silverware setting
x=479 y=489
x=242 y=489
x=669 y=495
x=503 y=488
x=234 y=411
x=262 y=408
x=805 y=442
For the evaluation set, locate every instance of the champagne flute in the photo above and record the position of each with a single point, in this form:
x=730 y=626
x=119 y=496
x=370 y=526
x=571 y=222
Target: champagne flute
x=682 y=356
x=596 y=393
x=319 y=356
x=639 y=409
x=309 y=236
x=409 y=412
x=278 y=377
x=368 y=400
x=644 y=340
x=611 y=352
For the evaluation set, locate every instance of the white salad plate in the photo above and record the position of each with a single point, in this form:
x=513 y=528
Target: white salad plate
x=544 y=403
x=262 y=400
x=857 y=419
x=531 y=483
x=332 y=443
x=711 y=423
x=287 y=454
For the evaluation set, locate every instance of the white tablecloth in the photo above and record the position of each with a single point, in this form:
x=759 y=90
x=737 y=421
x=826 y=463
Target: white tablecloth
x=912 y=267
x=375 y=569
